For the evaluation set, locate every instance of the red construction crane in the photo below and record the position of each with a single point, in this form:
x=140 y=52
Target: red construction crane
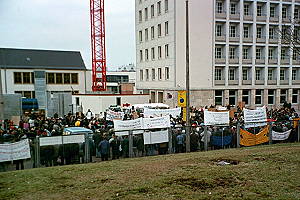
x=98 y=45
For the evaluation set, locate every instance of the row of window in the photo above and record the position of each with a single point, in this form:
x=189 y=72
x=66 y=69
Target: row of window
x=152 y=32
x=24 y=77
x=145 y=74
x=259 y=74
x=62 y=78
x=220 y=31
x=261 y=9
x=152 y=10
x=259 y=96
x=259 y=53
x=153 y=54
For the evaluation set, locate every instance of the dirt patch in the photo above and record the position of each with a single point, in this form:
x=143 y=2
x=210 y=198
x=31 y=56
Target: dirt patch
x=228 y=160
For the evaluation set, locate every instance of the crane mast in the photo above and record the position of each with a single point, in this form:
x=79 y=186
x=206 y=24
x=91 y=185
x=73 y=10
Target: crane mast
x=98 y=45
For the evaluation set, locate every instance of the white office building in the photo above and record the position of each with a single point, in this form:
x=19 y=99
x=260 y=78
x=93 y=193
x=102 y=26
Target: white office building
x=236 y=52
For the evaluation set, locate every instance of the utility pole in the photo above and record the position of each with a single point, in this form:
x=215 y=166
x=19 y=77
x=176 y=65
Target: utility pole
x=187 y=80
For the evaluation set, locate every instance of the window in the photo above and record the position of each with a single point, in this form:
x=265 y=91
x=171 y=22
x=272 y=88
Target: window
x=152 y=32
x=141 y=75
x=284 y=12
x=146 y=54
x=218 y=30
x=272 y=11
x=219 y=7
x=245 y=53
x=147 y=74
x=59 y=78
x=166 y=50
x=159 y=74
x=152 y=53
x=270 y=74
x=26 y=94
x=259 y=32
x=283 y=54
x=246 y=31
x=141 y=55
x=245 y=74
x=159 y=30
x=140 y=16
x=167 y=73
x=218 y=52
x=219 y=97
x=146 y=14
x=232 y=8
x=296 y=13
x=50 y=78
x=231 y=52
x=271 y=97
x=232 y=97
x=271 y=33
x=257 y=74
x=245 y=96
x=271 y=54
x=152 y=11
x=283 y=96
x=140 y=36
x=159 y=8
x=282 y=74
x=159 y=52
x=18 y=77
x=258 y=53
x=166 y=5
x=231 y=75
x=26 y=78
x=246 y=9
x=67 y=79
x=259 y=10
x=153 y=74
x=146 y=35
x=295 y=96
x=258 y=97
x=218 y=74
x=294 y=74
x=74 y=78
x=167 y=28
x=232 y=31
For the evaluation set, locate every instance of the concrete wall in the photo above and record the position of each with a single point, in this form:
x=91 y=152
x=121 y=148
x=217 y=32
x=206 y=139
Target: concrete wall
x=99 y=103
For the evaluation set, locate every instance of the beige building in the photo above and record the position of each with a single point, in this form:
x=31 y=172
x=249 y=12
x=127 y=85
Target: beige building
x=236 y=53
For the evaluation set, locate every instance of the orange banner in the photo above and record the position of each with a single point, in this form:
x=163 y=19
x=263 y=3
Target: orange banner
x=249 y=139
x=296 y=122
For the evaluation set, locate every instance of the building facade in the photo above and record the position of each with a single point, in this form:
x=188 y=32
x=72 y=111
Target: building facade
x=236 y=52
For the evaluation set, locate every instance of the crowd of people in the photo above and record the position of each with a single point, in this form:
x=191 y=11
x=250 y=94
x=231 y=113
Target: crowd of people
x=107 y=145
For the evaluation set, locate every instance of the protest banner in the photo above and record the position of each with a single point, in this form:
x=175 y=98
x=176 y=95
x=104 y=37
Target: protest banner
x=281 y=136
x=46 y=141
x=128 y=124
x=15 y=151
x=71 y=139
x=111 y=115
x=156 y=137
x=216 y=118
x=249 y=139
x=161 y=112
x=123 y=133
x=255 y=118
x=158 y=122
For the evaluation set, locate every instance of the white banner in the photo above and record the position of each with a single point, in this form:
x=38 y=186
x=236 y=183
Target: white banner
x=71 y=139
x=281 y=136
x=158 y=122
x=111 y=115
x=255 y=118
x=161 y=112
x=258 y=124
x=123 y=133
x=15 y=151
x=156 y=137
x=216 y=118
x=128 y=124
x=46 y=141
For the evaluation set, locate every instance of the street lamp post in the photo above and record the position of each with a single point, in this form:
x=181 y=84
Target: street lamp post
x=188 y=124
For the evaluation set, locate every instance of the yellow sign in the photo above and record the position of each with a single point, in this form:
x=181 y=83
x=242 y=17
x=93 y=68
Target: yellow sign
x=184 y=114
x=182 y=98
x=249 y=139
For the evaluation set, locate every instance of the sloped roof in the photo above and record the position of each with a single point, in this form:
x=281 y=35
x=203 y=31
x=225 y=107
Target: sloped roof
x=41 y=59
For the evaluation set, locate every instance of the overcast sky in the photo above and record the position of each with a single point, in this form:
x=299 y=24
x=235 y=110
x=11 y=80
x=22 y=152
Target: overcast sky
x=65 y=25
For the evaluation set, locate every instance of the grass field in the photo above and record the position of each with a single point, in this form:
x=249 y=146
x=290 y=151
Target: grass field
x=264 y=172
